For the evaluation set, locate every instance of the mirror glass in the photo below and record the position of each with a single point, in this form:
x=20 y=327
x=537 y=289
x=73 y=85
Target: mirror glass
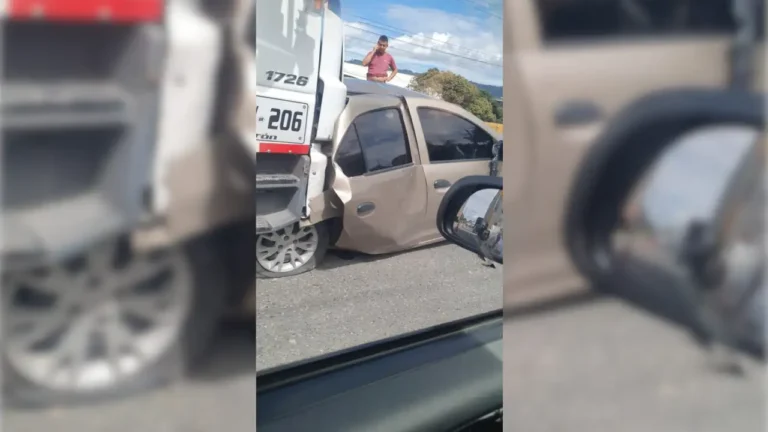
x=480 y=222
x=697 y=214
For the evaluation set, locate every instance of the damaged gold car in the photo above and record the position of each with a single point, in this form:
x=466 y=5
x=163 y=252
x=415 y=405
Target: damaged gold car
x=394 y=155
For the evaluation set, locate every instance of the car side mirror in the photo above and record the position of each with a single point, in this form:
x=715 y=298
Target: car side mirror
x=471 y=216
x=673 y=195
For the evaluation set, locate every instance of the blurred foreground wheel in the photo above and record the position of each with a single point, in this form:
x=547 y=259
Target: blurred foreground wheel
x=108 y=323
x=291 y=251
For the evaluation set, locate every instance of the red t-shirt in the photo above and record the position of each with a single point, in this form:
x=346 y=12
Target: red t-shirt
x=380 y=64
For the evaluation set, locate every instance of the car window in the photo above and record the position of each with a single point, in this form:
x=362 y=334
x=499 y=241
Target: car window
x=382 y=139
x=613 y=19
x=349 y=156
x=452 y=138
x=374 y=141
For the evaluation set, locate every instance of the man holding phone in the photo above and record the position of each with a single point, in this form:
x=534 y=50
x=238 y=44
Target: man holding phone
x=379 y=61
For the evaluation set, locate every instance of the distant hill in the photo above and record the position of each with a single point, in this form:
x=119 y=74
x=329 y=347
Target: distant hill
x=495 y=91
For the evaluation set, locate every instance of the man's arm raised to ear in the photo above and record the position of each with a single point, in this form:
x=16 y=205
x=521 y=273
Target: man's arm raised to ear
x=369 y=56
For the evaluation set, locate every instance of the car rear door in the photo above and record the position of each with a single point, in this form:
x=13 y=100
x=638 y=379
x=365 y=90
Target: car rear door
x=570 y=66
x=453 y=144
x=378 y=177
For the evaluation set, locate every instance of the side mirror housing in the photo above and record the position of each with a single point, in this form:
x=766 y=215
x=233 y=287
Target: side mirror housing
x=471 y=216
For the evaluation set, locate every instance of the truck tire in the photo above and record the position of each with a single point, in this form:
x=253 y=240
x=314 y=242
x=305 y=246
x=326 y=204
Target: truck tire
x=304 y=247
x=193 y=307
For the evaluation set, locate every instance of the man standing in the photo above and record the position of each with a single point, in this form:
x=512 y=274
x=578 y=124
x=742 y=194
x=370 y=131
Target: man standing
x=379 y=61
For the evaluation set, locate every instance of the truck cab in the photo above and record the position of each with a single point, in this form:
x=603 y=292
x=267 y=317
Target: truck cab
x=299 y=96
x=125 y=129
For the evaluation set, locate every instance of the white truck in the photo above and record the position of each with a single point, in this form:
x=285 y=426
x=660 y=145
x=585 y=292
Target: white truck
x=300 y=94
x=128 y=131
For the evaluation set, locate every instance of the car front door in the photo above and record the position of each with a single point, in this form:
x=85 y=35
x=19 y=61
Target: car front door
x=569 y=67
x=453 y=144
x=378 y=178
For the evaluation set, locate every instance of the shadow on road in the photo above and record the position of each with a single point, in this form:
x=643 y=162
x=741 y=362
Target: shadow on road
x=642 y=286
x=645 y=288
x=658 y=298
x=341 y=258
x=232 y=354
x=550 y=305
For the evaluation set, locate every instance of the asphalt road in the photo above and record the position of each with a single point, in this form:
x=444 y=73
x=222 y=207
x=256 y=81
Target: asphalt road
x=353 y=299
x=220 y=395
x=582 y=363
x=625 y=362
x=603 y=365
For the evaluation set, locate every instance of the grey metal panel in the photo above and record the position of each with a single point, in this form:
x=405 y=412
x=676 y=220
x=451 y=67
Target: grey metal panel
x=54 y=232
x=281 y=179
x=80 y=105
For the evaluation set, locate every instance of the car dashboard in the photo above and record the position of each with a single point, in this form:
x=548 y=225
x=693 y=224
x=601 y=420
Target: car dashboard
x=446 y=378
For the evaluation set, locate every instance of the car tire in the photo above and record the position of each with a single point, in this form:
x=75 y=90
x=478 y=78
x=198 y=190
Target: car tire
x=323 y=242
x=206 y=306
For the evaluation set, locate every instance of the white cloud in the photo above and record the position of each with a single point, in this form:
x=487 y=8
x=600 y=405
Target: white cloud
x=446 y=41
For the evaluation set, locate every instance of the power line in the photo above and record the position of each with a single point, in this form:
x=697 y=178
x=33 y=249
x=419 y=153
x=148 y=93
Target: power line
x=395 y=48
x=486 y=7
x=410 y=33
x=426 y=47
x=431 y=48
x=366 y=40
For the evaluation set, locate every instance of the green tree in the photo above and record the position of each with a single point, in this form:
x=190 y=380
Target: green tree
x=482 y=108
x=458 y=90
x=486 y=95
x=498 y=111
x=429 y=82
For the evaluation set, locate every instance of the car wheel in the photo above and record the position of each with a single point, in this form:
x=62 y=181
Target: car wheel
x=291 y=251
x=108 y=323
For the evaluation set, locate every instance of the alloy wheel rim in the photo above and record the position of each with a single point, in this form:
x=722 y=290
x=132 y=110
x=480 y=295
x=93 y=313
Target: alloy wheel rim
x=286 y=249
x=97 y=320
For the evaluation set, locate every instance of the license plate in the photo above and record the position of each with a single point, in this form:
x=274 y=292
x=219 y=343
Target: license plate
x=281 y=121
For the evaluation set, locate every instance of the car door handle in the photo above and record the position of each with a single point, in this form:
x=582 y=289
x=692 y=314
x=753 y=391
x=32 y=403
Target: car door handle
x=365 y=208
x=578 y=112
x=442 y=184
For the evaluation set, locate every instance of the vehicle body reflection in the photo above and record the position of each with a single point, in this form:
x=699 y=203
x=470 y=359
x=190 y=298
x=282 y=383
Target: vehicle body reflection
x=471 y=215
x=697 y=214
x=480 y=221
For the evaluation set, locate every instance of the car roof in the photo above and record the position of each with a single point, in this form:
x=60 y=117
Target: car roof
x=357 y=86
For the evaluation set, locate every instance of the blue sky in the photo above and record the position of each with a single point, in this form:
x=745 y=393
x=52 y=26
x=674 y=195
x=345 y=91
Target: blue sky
x=463 y=36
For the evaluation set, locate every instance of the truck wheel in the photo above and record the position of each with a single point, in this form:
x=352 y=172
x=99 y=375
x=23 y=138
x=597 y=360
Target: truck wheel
x=109 y=323
x=291 y=251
